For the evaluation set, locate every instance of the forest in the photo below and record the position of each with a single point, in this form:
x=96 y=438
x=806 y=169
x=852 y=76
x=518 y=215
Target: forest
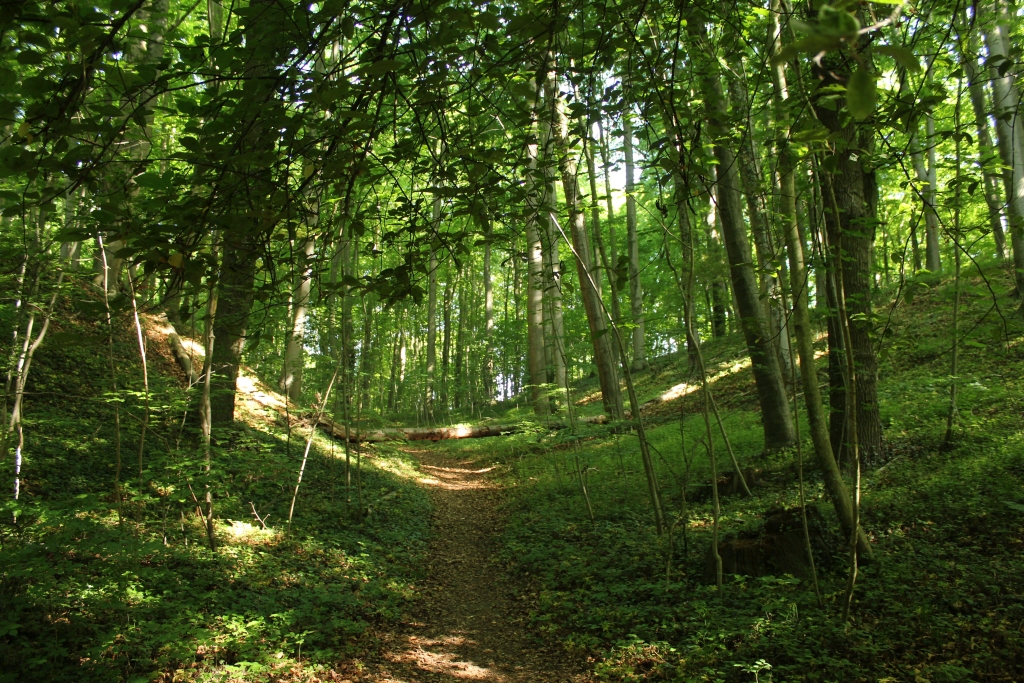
x=564 y=341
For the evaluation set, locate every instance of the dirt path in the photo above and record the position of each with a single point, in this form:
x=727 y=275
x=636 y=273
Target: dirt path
x=467 y=628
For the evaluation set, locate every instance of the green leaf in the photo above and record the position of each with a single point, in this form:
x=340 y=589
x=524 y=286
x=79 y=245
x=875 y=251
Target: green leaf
x=836 y=23
x=151 y=180
x=901 y=55
x=860 y=94
x=29 y=57
x=8 y=79
x=812 y=44
x=348 y=114
x=488 y=21
x=36 y=86
x=382 y=67
x=816 y=133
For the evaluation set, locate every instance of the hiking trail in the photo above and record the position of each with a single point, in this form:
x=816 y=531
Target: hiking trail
x=466 y=626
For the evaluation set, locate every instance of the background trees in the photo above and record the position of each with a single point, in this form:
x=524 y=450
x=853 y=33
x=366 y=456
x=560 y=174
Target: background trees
x=463 y=209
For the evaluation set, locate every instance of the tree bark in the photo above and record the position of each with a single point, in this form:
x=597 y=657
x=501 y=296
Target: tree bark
x=926 y=176
x=397 y=353
x=1010 y=134
x=604 y=357
x=681 y=198
x=599 y=258
x=753 y=190
x=802 y=328
x=636 y=292
x=776 y=415
x=986 y=150
x=535 y=275
x=446 y=343
x=241 y=245
x=291 y=371
x=432 y=313
x=554 y=324
x=613 y=264
x=462 y=330
x=234 y=297
x=681 y=192
x=851 y=190
x=488 y=314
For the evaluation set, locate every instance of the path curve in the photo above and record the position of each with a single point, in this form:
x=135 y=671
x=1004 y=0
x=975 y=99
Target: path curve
x=466 y=626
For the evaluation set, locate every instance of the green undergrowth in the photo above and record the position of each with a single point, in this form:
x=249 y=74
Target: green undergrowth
x=91 y=590
x=943 y=600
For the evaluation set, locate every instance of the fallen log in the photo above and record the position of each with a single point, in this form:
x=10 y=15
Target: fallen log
x=433 y=433
x=415 y=433
x=184 y=359
x=270 y=399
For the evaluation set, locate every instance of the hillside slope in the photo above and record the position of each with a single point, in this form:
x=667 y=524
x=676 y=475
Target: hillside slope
x=102 y=584
x=943 y=599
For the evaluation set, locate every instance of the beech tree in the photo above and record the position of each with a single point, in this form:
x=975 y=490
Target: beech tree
x=447 y=209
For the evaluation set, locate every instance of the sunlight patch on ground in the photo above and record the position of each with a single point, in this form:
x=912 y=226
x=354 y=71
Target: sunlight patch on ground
x=720 y=371
x=240 y=532
x=435 y=655
x=679 y=390
x=392 y=463
x=455 y=478
x=193 y=347
x=259 y=392
x=687 y=388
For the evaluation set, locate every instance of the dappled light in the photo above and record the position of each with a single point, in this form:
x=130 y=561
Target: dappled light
x=377 y=341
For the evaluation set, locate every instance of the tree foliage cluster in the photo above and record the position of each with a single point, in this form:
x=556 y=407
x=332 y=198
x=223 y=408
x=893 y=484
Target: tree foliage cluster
x=423 y=211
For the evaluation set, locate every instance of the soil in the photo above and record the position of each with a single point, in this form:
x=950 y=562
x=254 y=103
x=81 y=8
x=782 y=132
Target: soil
x=468 y=626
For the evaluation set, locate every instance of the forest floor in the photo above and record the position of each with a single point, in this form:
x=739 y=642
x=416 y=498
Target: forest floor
x=483 y=560
x=467 y=624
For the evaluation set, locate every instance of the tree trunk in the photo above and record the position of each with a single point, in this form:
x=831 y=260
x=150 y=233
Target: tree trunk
x=753 y=189
x=432 y=314
x=242 y=245
x=291 y=372
x=604 y=357
x=1010 y=133
x=776 y=415
x=446 y=342
x=613 y=265
x=234 y=300
x=397 y=355
x=986 y=150
x=851 y=191
x=488 y=315
x=460 y=346
x=681 y=197
x=636 y=292
x=802 y=329
x=924 y=179
x=554 y=325
x=686 y=277
x=932 y=256
x=535 y=275
x=72 y=251
x=599 y=258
